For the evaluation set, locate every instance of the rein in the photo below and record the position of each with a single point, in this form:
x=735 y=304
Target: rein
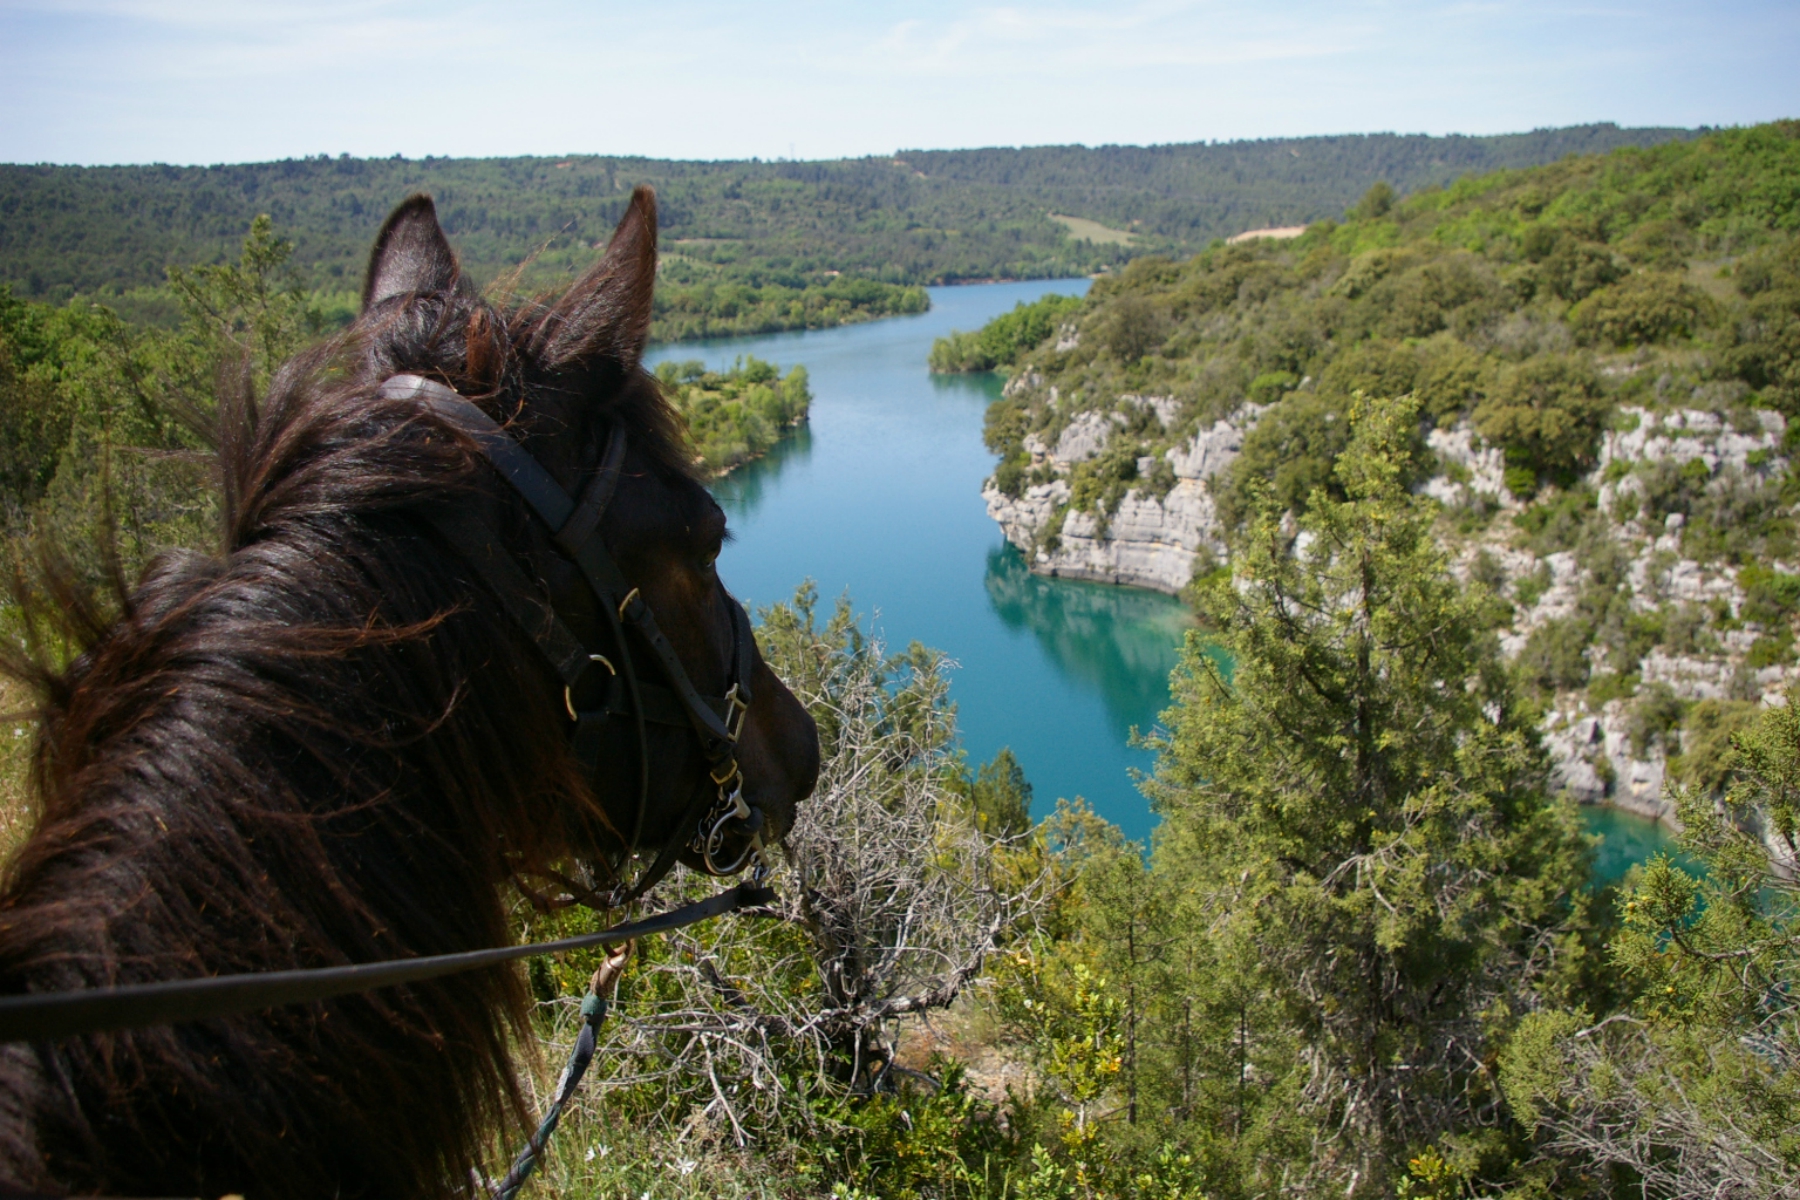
x=50 y=1015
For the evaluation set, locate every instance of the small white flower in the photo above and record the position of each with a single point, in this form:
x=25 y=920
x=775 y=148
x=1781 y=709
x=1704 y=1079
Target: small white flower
x=686 y=1166
x=590 y=1154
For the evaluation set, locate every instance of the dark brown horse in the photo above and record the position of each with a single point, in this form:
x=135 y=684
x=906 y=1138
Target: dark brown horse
x=334 y=742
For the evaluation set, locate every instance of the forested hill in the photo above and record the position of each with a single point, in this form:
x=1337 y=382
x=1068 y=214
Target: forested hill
x=1196 y=192
x=918 y=217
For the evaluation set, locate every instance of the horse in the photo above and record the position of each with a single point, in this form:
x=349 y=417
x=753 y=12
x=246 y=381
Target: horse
x=347 y=737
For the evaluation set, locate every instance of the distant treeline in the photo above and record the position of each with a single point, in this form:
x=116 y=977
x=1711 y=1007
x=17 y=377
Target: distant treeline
x=921 y=217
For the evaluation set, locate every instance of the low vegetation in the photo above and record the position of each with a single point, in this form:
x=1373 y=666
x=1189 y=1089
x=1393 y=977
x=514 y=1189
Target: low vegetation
x=1001 y=341
x=739 y=414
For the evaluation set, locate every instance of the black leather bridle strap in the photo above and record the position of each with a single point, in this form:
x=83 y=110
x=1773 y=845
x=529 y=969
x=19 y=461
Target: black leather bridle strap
x=585 y=520
x=559 y=646
x=553 y=506
x=525 y=473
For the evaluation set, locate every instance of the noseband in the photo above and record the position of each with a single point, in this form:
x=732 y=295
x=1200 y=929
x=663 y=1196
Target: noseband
x=591 y=680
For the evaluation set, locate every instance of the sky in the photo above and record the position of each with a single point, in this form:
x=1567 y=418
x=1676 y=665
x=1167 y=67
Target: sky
x=208 y=81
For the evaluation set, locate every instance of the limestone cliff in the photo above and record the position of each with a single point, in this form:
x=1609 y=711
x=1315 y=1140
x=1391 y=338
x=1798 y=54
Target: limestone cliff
x=1151 y=540
x=1155 y=537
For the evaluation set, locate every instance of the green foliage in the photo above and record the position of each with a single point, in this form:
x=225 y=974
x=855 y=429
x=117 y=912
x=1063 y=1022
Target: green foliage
x=106 y=426
x=1288 y=456
x=1554 y=657
x=1547 y=414
x=1763 y=341
x=1002 y=796
x=1647 y=307
x=739 y=414
x=1770 y=596
x=1099 y=484
x=1376 y=202
x=1359 y=874
x=1655 y=715
x=1002 y=340
x=1695 y=1089
x=1557 y=523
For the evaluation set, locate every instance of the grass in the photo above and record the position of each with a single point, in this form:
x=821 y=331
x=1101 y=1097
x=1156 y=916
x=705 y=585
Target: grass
x=1084 y=230
x=15 y=765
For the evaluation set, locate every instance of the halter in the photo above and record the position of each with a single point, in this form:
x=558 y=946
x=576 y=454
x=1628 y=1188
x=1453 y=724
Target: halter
x=587 y=675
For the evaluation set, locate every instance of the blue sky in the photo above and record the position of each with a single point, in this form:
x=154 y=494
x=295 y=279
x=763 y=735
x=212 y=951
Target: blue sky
x=203 y=81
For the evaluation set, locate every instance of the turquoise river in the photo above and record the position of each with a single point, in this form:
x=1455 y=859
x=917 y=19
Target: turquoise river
x=878 y=496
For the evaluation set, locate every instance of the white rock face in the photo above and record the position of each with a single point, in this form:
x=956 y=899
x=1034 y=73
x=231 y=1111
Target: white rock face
x=1214 y=449
x=1484 y=466
x=1691 y=433
x=1085 y=437
x=1149 y=542
x=1592 y=751
x=1152 y=542
x=1592 y=756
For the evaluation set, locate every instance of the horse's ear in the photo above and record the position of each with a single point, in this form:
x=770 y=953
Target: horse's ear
x=606 y=315
x=410 y=255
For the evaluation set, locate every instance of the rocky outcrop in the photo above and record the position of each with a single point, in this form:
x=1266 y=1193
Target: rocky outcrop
x=1154 y=538
x=1591 y=747
x=1151 y=540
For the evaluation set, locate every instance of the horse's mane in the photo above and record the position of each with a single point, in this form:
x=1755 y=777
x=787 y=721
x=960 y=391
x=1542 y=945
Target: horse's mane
x=301 y=751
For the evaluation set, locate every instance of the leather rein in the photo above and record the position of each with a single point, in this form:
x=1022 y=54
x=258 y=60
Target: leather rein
x=592 y=693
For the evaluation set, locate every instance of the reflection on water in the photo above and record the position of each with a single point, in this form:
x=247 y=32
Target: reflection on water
x=1628 y=840
x=984 y=386
x=1119 y=642
x=744 y=490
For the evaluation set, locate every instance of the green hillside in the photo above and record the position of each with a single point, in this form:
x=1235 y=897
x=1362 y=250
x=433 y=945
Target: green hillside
x=741 y=240
x=1530 y=303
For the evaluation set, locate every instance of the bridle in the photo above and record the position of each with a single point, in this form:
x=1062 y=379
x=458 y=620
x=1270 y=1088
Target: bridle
x=592 y=680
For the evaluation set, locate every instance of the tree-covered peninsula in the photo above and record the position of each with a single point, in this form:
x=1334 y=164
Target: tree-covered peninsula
x=738 y=414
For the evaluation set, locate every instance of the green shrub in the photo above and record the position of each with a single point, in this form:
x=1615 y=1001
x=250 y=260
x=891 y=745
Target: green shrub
x=1003 y=340
x=1378 y=367
x=1547 y=413
x=1009 y=474
x=1558 y=523
x=1602 y=689
x=1770 y=596
x=1648 y=307
x=1656 y=714
x=1771 y=650
x=1554 y=658
x=1291 y=450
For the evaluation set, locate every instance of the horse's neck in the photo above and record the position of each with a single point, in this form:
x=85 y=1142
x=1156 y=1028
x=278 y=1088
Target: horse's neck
x=308 y=782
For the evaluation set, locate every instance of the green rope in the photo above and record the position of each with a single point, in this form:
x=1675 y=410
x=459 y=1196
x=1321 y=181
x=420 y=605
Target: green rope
x=593 y=1011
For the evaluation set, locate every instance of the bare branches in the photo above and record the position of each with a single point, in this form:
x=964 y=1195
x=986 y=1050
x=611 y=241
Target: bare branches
x=891 y=904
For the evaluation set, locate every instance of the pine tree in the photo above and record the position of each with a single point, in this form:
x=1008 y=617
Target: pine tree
x=1365 y=878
